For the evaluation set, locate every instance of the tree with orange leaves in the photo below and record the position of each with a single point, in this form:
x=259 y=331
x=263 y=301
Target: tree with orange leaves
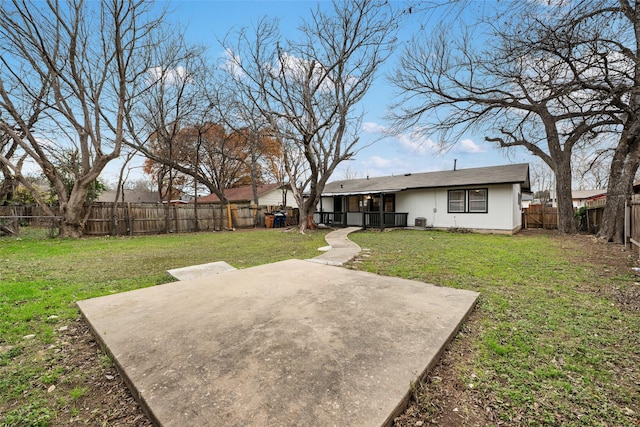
x=217 y=158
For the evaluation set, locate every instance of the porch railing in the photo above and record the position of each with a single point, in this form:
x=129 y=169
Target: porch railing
x=387 y=219
x=330 y=218
x=363 y=219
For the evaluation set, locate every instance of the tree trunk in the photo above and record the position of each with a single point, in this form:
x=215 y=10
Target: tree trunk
x=71 y=225
x=566 y=221
x=254 y=180
x=307 y=209
x=304 y=219
x=623 y=170
x=7 y=188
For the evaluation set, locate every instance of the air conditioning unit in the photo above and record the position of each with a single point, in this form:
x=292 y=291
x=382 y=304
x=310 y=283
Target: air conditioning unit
x=421 y=222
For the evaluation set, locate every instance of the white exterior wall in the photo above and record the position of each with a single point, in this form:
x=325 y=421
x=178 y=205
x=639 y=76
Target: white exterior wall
x=327 y=204
x=503 y=212
x=274 y=198
x=517 y=207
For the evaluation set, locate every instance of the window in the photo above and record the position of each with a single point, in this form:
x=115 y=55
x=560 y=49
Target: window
x=456 y=200
x=468 y=201
x=389 y=202
x=374 y=203
x=478 y=200
x=354 y=204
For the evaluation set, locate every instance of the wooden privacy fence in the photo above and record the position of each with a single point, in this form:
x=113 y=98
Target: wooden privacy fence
x=539 y=216
x=149 y=218
x=632 y=221
x=594 y=212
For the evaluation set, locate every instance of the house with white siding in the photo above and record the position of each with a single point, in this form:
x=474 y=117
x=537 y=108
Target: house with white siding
x=269 y=195
x=487 y=199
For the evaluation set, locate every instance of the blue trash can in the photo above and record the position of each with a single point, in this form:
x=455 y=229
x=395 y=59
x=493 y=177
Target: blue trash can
x=278 y=220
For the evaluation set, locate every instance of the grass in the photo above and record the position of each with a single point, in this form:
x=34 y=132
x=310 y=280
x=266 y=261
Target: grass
x=41 y=279
x=549 y=347
x=548 y=343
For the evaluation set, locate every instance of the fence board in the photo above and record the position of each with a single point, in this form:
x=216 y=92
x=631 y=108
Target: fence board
x=538 y=216
x=635 y=217
x=148 y=218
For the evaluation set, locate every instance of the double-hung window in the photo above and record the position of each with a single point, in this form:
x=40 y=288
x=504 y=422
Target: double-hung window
x=457 y=201
x=478 y=200
x=468 y=201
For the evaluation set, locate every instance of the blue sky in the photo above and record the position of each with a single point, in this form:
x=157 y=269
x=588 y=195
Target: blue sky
x=207 y=21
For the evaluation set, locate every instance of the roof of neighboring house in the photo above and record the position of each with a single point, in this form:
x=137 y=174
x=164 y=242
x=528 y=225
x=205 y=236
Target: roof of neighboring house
x=507 y=174
x=587 y=194
x=240 y=194
x=131 y=196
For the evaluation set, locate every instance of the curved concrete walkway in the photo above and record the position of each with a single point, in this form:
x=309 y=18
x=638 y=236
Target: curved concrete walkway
x=342 y=249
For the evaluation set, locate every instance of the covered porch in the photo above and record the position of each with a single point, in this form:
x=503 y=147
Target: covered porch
x=366 y=210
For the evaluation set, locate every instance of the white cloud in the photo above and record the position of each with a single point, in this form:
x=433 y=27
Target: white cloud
x=417 y=143
x=379 y=162
x=231 y=64
x=383 y=166
x=468 y=146
x=372 y=127
x=295 y=70
x=175 y=76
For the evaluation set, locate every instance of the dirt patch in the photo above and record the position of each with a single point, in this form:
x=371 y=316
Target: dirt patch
x=105 y=399
x=443 y=399
x=609 y=260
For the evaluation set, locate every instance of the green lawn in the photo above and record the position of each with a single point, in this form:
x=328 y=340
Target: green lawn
x=549 y=342
x=41 y=279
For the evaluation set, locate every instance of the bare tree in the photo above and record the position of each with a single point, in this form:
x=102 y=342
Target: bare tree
x=591 y=167
x=308 y=90
x=609 y=31
x=9 y=149
x=67 y=77
x=542 y=181
x=181 y=133
x=515 y=87
x=235 y=108
x=349 y=173
x=170 y=99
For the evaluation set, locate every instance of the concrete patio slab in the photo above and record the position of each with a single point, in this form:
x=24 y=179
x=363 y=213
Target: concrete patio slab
x=201 y=270
x=283 y=344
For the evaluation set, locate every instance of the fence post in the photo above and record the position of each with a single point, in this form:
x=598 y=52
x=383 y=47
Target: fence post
x=627 y=222
x=129 y=219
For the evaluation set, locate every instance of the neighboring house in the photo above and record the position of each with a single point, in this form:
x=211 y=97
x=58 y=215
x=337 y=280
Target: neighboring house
x=581 y=197
x=487 y=199
x=268 y=195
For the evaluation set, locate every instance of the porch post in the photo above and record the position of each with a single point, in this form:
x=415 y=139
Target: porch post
x=382 y=212
x=345 y=209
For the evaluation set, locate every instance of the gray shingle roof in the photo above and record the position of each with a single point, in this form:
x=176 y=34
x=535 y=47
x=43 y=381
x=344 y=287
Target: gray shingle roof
x=506 y=174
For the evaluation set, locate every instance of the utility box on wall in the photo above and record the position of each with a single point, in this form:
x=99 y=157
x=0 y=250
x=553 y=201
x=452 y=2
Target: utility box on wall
x=421 y=222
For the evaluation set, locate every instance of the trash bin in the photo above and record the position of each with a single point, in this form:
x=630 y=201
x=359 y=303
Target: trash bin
x=268 y=220
x=278 y=220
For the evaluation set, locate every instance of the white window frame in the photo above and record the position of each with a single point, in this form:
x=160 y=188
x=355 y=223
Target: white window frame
x=453 y=205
